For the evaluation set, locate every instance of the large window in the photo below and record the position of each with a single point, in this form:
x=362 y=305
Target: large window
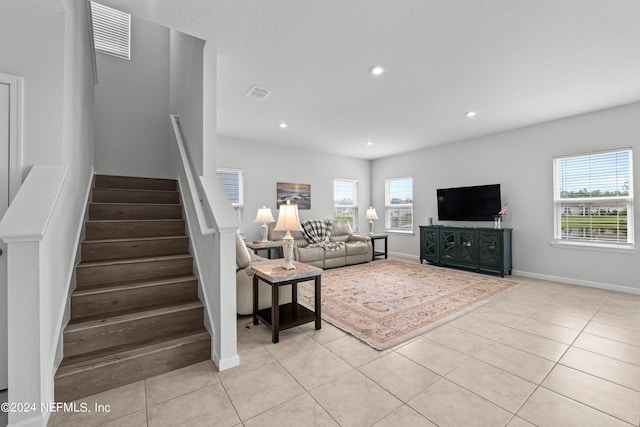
x=111 y=31
x=593 y=198
x=399 y=204
x=345 y=201
x=232 y=182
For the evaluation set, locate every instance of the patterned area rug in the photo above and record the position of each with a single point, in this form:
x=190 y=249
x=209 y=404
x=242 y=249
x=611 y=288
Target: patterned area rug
x=385 y=303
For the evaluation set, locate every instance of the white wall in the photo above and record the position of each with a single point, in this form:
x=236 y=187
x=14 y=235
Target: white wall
x=186 y=93
x=265 y=165
x=78 y=149
x=521 y=161
x=52 y=51
x=132 y=106
x=32 y=46
x=209 y=109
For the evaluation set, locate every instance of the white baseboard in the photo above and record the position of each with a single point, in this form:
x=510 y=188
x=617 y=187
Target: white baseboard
x=226 y=363
x=402 y=255
x=567 y=280
x=579 y=282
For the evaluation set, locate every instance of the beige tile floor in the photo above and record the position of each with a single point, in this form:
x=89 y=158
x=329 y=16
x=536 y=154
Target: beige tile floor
x=543 y=354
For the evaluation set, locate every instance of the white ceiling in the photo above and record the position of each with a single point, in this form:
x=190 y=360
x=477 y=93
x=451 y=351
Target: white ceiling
x=515 y=62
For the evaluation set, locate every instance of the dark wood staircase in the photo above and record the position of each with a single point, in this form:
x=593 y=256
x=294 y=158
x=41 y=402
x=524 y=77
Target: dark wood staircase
x=135 y=312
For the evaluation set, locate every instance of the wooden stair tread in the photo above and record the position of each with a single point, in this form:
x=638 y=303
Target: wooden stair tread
x=117 y=221
x=121 y=247
x=84 y=362
x=151 y=190
x=136 y=178
x=134 y=239
x=128 y=210
x=89 y=264
x=123 y=286
x=132 y=182
x=132 y=227
x=100 y=320
x=134 y=204
x=135 y=312
x=135 y=195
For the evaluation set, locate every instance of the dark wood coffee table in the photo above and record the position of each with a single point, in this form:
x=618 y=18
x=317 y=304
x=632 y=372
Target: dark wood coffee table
x=285 y=316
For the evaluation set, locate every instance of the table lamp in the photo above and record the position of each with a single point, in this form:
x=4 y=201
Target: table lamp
x=371 y=215
x=264 y=216
x=288 y=221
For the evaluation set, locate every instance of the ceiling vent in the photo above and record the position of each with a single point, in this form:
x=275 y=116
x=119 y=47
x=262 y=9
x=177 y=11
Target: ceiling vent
x=258 y=93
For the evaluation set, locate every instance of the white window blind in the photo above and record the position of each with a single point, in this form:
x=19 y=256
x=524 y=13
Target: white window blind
x=345 y=201
x=399 y=204
x=233 y=185
x=593 y=198
x=231 y=180
x=111 y=30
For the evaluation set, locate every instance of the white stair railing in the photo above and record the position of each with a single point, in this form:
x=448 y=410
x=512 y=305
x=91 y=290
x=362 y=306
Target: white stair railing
x=212 y=225
x=31 y=337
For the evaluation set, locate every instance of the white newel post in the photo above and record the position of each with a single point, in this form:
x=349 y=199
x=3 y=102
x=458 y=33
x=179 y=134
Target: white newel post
x=227 y=323
x=26 y=382
x=224 y=345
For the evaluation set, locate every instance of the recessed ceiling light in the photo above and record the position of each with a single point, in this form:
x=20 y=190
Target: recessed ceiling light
x=377 y=70
x=470 y=113
x=283 y=125
x=368 y=143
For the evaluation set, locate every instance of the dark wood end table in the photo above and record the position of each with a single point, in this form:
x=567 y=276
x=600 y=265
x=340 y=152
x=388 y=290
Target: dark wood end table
x=266 y=246
x=378 y=236
x=285 y=316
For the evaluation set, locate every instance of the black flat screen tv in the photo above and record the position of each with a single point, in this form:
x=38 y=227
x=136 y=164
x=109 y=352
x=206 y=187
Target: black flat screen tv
x=477 y=203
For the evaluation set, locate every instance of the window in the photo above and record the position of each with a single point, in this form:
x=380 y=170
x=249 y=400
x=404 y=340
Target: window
x=593 y=198
x=111 y=30
x=398 y=201
x=233 y=184
x=345 y=201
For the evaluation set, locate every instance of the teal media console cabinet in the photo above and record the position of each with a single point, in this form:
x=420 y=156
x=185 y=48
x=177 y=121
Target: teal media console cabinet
x=480 y=249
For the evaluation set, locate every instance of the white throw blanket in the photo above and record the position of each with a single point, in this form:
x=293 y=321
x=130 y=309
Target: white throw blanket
x=317 y=232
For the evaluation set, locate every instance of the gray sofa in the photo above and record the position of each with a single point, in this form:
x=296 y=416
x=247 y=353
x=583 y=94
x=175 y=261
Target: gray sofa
x=357 y=249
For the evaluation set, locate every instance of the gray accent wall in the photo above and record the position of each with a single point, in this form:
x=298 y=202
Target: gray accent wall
x=132 y=106
x=186 y=99
x=264 y=165
x=521 y=161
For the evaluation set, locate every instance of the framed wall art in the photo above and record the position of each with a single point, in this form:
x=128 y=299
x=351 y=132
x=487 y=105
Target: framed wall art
x=298 y=194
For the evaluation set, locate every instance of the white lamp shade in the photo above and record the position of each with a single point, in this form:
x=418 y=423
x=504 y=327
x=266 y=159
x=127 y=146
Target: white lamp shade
x=371 y=214
x=288 y=218
x=264 y=215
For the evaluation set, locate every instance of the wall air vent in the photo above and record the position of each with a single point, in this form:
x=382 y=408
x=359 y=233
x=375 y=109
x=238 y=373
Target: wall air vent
x=258 y=93
x=111 y=31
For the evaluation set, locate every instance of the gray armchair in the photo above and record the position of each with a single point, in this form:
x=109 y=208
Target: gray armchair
x=245 y=259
